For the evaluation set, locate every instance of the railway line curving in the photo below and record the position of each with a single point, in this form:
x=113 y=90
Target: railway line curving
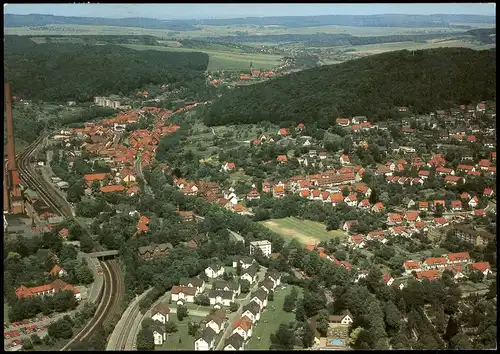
x=114 y=286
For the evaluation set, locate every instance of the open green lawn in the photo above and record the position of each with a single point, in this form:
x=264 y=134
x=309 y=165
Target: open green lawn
x=5 y=313
x=305 y=231
x=274 y=320
x=222 y=60
x=186 y=341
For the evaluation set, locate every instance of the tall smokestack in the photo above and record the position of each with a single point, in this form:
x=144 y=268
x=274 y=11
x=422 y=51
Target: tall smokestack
x=6 y=203
x=10 y=130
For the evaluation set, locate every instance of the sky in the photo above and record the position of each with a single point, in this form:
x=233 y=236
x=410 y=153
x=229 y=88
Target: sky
x=227 y=10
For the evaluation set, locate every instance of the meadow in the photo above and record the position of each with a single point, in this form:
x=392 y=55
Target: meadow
x=305 y=231
x=222 y=60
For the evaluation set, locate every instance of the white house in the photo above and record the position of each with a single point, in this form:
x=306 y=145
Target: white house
x=159 y=333
x=58 y=271
x=252 y=311
x=275 y=277
x=345 y=318
x=260 y=297
x=250 y=274
x=244 y=261
x=234 y=342
x=264 y=245
x=228 y=167
x=388 y=279
x=181 y=294
x=474 y=202
x=215 y=270
x=206 y=340
x=197 y=283
x=160 y=313
x=243 y=327
x=223 y=285
x=220 y=297
x=216 y=320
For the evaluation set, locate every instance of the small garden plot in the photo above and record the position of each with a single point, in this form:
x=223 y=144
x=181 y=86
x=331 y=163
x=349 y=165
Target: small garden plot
x=180 y=340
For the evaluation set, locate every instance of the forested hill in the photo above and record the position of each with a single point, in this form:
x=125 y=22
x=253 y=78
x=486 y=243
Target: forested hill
x=78 y=72
x=423 y=80
x=11 y=20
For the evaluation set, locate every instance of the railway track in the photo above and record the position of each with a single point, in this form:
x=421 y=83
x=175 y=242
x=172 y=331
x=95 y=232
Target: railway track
x=44 y=190
x=114 y=288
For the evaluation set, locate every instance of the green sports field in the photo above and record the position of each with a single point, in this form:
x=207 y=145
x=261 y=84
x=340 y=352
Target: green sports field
x=305 y=231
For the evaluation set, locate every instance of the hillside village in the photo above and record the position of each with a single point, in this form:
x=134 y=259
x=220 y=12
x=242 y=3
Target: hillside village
x=452 y=199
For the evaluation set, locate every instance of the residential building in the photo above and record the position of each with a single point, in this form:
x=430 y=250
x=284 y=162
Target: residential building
x=235 y=342
x=206 y=340
x=160 y=312
x=182 y=294
x=345 y=318
x=220 y=297
x=48 y=289
x=215 y=270
x=264 y=245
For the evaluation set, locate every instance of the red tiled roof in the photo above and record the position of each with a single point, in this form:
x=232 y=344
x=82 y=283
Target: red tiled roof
x=411 y=265
x=64 y=233
x=435 y=261
x=481 y=266
x=113 y=188
x=429 y=274
x=95 y=177
x=462 y=256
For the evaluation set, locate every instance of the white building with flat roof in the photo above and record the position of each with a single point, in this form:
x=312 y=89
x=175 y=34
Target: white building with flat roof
x=264 y=246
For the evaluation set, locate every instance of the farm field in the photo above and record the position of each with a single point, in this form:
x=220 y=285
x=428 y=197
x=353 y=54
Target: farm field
x=209 y=31
x=180 y=340
x=274 y=318
x=387 y=47
x=219 y=60
x=305 y=231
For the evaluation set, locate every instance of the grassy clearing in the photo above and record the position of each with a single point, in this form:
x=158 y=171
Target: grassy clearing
x=274 y=320
x=222 y=60
x=186 y=341
x=387 y=47
x=305 y=231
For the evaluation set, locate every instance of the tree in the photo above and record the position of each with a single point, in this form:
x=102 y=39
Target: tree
x=84 y=274
x=270 y=296
x=307 y=336
x=322 y=322
x=451 y=329
x=182 y=312
x=202 y=300
x=233 y=307
x=476 y=276
x=245 y=286
x=392 y=317
x=35 y=339
x=145 y=339
x=460 y=341
x=171 y=327
x=27 y=344
x=282 y=339
x=354 y=335
x=60 y=329
x=332 y=223
x=289 y=303
x=193 y=328
x=238 y=269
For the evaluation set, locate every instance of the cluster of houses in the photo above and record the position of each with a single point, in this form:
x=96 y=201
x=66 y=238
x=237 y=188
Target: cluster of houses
x=244 y=324
x=458 y=263
x=222 y=293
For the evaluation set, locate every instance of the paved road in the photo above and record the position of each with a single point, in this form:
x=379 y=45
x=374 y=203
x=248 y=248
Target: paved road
x=124 y=326
x=138 y=171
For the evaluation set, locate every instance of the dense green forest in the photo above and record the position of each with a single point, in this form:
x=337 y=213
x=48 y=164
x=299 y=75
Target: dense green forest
x=337 y=39
x=78 y=72
x=11 y=20
x=98 y=39
x=484 y=35
x=423 y=80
